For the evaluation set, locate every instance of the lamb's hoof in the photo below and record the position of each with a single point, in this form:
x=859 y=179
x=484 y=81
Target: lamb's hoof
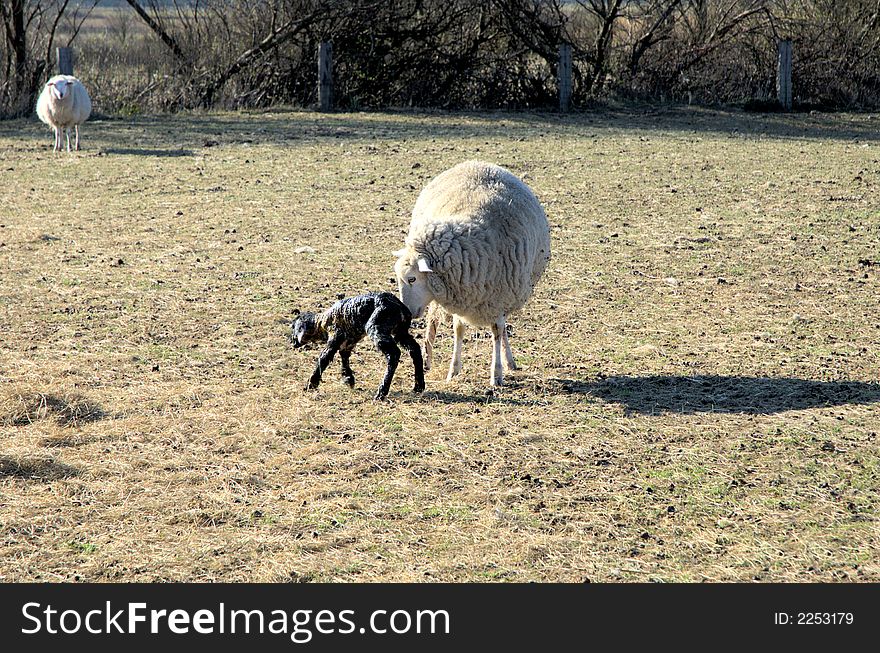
x=419 y=387
x=349 y=381
x=380 y=396
x=311 y=385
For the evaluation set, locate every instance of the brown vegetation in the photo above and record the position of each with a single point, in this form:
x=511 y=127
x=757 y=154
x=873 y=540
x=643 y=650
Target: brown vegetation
x=698 y=398
x=147 y=55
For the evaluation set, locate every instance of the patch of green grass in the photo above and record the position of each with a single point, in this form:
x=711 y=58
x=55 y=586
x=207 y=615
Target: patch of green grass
x=83 y=547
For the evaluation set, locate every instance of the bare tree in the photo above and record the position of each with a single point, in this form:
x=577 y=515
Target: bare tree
x=155 y=25
x=712 y=23
x=653 y=24
x=450 y=53
x=30 y=28
x=15 y=32
x=606 y=13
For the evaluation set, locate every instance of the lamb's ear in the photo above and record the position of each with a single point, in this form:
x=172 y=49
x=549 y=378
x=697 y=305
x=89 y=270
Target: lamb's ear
x=295 y=312
x=423 y=265
x=399 y=253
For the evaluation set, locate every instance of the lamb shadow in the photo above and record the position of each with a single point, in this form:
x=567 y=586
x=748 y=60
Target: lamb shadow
x=146 y=152
x=40 y=469
x=651 y=395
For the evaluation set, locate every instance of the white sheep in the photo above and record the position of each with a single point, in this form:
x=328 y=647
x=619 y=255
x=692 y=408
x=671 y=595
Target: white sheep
x=64 y=103
x=478 y=243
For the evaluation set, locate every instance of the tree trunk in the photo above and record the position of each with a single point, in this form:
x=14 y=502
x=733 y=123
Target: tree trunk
x=18 y=42
x=649 y=38
x=603 y=43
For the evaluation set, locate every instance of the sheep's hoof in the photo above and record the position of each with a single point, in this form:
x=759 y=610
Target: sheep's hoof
x=419 y=387
x=380 y=396
x=349 y=381
x=312 y=385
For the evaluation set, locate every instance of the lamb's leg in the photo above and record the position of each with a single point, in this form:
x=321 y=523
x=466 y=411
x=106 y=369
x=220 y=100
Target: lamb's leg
x=392 y=355
x=458 y=328
x=76 y=127
x=497 y=337
x=347 y=372
x=409 y=343
x=323 y=361
x=508 y=352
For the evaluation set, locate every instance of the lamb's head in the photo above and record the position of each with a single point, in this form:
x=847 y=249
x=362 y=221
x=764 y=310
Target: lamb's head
x=414 y=280
x=58 y=87
x=305 y=329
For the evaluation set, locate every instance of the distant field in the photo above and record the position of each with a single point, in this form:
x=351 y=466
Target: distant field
x=105 y=23
x=698 y=399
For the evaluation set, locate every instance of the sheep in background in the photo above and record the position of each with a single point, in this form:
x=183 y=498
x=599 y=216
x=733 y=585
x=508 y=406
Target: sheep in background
x=379 y=315
x=478 y=243
x=64 y=103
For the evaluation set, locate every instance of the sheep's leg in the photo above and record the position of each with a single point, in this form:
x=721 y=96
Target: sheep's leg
x=497 y=337
x=430 y=335
x=508 y=352
x=323 y=361
x=409 y=343
x=57 y=145
x=67 y=133
x=347 y=372
x=392 y=355
x=458 y=328
x=76 y=128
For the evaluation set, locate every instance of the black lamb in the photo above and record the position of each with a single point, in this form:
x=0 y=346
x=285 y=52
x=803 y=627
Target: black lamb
x=379 y=315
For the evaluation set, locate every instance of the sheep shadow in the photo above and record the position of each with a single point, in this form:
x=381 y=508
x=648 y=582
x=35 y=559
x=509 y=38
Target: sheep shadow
x=134 y=151
x=35 y=469
x=652 y=395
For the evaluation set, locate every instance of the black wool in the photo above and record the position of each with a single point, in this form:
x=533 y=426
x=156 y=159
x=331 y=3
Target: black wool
x=379 y=315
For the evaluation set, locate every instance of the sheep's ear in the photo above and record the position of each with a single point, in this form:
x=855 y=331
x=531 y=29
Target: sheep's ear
x=423 y=265
x=295 y=312
x=399 y=253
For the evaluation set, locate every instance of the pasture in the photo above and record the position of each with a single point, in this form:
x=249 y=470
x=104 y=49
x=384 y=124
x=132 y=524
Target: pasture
x=698 y=397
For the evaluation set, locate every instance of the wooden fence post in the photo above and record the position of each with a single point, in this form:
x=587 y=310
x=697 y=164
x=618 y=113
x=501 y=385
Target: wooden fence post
x=325 y=76
x=783 y=75
x=564 y=76
x=65 y=61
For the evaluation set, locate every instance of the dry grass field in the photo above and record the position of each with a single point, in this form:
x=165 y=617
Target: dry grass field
x=698 y=398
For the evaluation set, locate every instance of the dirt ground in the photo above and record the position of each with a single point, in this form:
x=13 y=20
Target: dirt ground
x=698 y=398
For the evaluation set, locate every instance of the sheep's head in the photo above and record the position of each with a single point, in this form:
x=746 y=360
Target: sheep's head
x=305 y=329
x=414 y=280
x=59 y=88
